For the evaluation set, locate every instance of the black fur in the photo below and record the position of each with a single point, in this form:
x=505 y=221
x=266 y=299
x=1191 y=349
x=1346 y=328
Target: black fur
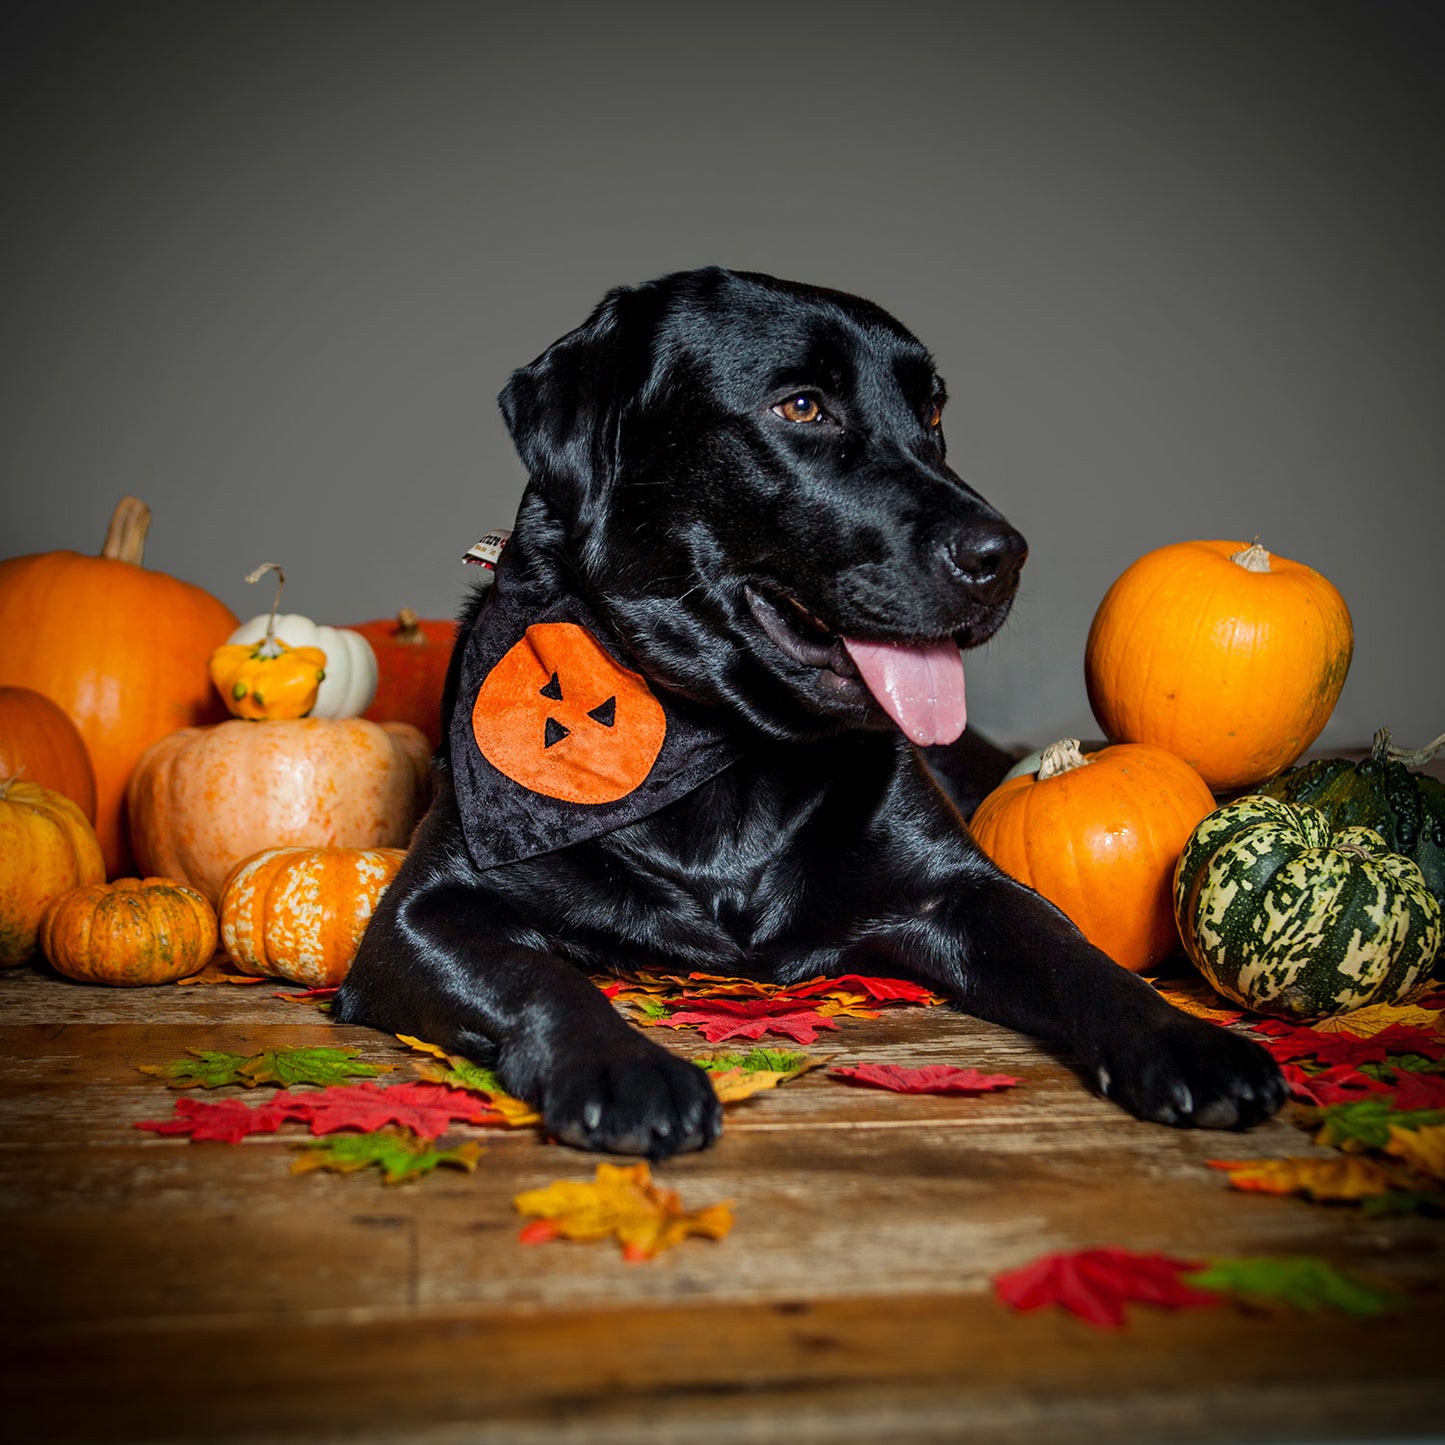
x=693 y=516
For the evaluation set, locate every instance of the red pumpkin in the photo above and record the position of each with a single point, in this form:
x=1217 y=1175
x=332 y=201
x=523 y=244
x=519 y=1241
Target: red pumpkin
x=121 y=649
x=562 y=718
x=40 y=743
x=412 y=655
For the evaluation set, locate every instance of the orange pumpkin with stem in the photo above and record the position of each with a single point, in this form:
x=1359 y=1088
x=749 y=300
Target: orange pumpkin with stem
x=40 y=743
x=123 y=650
x=47 y=847
x=299 y=913
x=412 y=655
x=1099 y=836
x=1225 y=655
x=128 y=933
x=202 y=799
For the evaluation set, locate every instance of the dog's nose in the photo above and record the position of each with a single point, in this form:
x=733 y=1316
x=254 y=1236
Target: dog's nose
x=987 y=557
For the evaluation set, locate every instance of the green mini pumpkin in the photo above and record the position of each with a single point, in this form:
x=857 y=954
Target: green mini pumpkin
x=1407 y=809
x=1287 y=916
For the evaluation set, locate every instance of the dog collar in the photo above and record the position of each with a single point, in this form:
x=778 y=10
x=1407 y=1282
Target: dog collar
x=555 y=739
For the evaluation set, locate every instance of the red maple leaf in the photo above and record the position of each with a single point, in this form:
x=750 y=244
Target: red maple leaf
x=1096 y=1284
x=1342 y=1084
x=880 y=990
x=931 y=1079
x=1290 y=1043
x=225 y=1121
x=1417 y=1091
x=719 y=1019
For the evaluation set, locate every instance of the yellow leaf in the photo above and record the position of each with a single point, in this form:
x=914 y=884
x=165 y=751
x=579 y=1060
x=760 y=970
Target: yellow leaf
x=1365 y=1023
x=1339 y=1178
x=1422 y=1149
x=730 y=1085
x=622 y=1202
x=1199 y=1000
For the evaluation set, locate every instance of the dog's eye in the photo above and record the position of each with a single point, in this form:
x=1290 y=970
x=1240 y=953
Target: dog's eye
x=801 y=408
x=935 y=415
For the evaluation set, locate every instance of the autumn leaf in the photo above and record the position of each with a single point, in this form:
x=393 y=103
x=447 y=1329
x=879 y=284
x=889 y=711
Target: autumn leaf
x=930 y=1079
x=210 y=1070
x=1423 y=1149
x=833 y=1007
x=318 y=997
x=1290 y=1043
x=1302 y=1282
x=458 y=1072
x=1366 y=1022
x=221 y=970
x=880 y=990
x=399 y=1155
x=205 y=1069
x=1342 y=1178
x=1096 y=1284
x=1198 y=999
x=1341 y=1084
x=1367 y=1123
x=223 y=1121
x=723 y=1019
x=621 y=1202
x=760 y=1060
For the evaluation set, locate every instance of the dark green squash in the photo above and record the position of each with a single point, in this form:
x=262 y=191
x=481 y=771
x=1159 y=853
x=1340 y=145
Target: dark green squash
x=1407 y=809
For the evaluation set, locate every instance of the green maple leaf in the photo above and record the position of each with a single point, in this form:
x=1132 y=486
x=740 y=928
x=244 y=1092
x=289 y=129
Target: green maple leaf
x=205 y=1069
x=771 y=1061
x=1304 y=1282
x=399 y=1154
x=1369 y=1122
x=1402 y=1063
x=1405 y=1201
x=461 y=1073
x=307 y=1066
x=209 y=1069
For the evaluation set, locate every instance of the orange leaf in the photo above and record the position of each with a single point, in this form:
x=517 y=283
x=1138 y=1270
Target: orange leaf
x=623 y=1203
x=1342 y=1177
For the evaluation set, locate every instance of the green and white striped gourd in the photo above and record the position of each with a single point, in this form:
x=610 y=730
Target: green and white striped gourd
x=1285 y=916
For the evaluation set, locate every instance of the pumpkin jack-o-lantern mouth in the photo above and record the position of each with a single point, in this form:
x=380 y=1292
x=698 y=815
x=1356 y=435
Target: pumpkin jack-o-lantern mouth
x=560 y=717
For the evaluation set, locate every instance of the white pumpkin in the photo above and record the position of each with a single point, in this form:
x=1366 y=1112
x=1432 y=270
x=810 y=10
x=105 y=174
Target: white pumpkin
x=350 y=681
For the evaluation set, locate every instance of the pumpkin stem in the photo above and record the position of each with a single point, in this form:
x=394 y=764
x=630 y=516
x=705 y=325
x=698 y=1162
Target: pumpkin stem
x=407 y=630
x=1383 y=751
x=5 y=783
x=1060 y=757
x=125 y=538
x=1252 y=558
x=269 y=646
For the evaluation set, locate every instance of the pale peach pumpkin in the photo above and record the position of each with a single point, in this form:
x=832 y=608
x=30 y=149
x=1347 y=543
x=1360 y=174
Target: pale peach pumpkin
x=203 y=799
x=299 y=913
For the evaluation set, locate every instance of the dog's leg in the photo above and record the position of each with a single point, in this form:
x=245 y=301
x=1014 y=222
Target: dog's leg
x=1010 y=957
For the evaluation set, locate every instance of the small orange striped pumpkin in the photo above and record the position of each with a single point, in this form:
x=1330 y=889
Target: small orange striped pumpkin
x=299 y=913
x=129 y=932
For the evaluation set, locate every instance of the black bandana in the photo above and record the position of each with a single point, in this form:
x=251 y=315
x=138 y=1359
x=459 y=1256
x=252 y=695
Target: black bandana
x=554 y=740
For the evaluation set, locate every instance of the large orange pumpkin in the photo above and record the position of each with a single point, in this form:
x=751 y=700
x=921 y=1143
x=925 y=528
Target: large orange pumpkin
x=202 y=799
x=299 y=913
x=1225 y=655
x=128 y=933
x=47 y=847
x=1099 y=836
x=412 y=655
x=40 y=742
x=559 y=716
x=121 y=649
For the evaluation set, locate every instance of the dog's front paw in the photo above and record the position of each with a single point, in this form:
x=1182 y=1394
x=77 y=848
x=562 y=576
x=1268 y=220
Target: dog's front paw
x=1190 y=1073
x=632 y=1098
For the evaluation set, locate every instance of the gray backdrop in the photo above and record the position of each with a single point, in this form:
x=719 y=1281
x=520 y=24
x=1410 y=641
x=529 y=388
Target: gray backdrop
x=267 y=265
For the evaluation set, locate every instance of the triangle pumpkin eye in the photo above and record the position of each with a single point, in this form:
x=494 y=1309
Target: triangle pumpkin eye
x=605 y=712
x=552 y=688
x=554 y=733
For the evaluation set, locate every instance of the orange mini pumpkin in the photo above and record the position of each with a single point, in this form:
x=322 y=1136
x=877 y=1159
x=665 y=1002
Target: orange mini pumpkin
x=412 y=656
x=47 y=847
x=40 y=742
x=299 y=913
x=1223 y=654
x=129 y=933
x=559 y=716
x=1099 y=836
x=203 y=799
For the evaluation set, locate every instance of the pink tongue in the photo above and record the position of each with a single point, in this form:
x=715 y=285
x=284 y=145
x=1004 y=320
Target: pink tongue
x=920 y=688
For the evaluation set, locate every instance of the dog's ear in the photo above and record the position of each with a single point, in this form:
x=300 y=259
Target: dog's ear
x=566 y=410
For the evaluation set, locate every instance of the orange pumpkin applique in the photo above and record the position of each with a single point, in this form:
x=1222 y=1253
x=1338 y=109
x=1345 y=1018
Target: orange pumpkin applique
x=562 y=718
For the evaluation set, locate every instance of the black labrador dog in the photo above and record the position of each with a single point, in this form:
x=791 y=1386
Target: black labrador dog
x=741 y=527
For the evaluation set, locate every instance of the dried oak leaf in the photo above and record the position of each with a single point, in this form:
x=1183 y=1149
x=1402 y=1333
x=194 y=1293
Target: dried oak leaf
x=1342 y=1178
x=721 y=1019
x=1300 y=1281
x=401 y=1156
x=621 y=1202
x=930 y=1079
x=1096 y=1284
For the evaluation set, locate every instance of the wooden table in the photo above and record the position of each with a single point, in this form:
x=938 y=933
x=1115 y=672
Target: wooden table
x=164 y=1290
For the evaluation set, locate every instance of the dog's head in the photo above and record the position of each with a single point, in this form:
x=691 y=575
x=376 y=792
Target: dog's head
x=749 y=481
